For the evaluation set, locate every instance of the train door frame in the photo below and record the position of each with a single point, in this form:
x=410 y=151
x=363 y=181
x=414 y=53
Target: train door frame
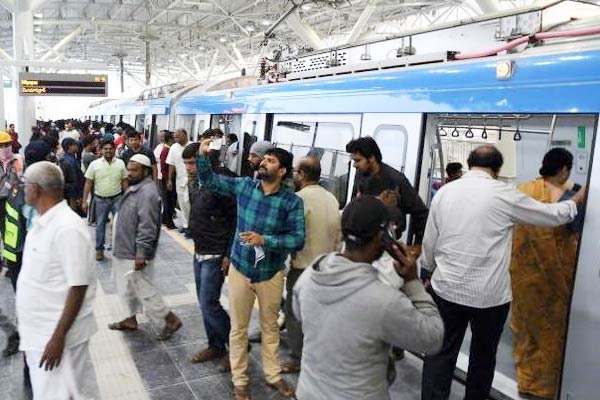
x=255 y=125
x=581 y=352
x=504 y=386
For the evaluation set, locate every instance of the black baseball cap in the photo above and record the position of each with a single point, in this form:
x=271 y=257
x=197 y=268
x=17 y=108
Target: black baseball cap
x=363 y=218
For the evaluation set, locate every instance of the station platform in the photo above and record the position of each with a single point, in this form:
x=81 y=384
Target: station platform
x=134 y=366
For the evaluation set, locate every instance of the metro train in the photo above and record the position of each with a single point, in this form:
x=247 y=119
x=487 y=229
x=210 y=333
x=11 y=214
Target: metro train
x=423 y=116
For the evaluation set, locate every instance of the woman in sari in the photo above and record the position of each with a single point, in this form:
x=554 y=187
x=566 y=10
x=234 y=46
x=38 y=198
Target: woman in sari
x=542 y=268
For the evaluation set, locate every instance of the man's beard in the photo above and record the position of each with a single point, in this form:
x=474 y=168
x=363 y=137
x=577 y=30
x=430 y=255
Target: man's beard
x=135 y=181
x=265 y=175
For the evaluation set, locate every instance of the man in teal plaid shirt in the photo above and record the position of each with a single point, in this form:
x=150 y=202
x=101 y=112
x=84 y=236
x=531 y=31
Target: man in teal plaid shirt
x=270 y=226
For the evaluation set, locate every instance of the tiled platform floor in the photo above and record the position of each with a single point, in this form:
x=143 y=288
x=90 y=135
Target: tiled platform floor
x=134 y=366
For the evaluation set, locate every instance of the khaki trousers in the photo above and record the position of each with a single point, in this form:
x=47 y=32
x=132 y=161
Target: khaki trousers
x=241 y=300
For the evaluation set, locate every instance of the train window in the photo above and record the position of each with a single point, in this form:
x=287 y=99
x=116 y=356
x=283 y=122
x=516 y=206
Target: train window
x=186 y=122
x=327 y=142
x=140 y=122
x=296 y=133
x=162 y=122
x=392 y=140
x=228 y=123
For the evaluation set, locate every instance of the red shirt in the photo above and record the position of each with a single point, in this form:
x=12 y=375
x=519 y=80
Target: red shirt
x=164 y=167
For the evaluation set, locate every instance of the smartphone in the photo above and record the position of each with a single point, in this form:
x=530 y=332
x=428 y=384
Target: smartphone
x=388 y=240
x=216 y=144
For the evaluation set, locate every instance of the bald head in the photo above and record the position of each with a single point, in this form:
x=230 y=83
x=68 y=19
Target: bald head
x=486 y=157
x=307 y=172
x=44 y=185
x=311 y=167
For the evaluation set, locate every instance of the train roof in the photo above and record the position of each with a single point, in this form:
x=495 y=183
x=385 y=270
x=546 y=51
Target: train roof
x=561 y=81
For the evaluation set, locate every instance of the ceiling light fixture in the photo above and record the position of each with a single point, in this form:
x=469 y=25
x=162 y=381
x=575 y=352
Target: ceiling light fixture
x=265 y=22
x=249 y=28
x=38 y=15
x=306 y=6
x=222 y=40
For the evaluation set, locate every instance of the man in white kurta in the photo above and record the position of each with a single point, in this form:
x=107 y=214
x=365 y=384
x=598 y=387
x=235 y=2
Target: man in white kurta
x=55 y=292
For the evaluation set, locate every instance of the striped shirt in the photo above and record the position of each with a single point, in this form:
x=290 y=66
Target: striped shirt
x=468 y=237
x=278 y=217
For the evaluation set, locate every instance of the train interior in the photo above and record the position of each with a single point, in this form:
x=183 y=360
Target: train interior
x=420 y=145
x=523 y=140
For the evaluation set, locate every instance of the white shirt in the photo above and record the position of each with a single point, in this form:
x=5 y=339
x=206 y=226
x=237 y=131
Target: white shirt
x=175 y=159
x=468 y=237
x=58 y=254
x=73 y=134
x=157 y=150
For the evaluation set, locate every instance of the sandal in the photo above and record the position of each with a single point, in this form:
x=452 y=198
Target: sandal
x=283 y=388
x=290 y=367
x=168 y=331
x=121 y=326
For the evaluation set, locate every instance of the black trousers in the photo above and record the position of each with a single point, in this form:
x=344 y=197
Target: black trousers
x=169 y=199
x=486 y=327
x=293 y=326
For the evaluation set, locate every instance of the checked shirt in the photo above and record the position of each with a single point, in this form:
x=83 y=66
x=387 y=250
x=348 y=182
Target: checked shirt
x=278 y=217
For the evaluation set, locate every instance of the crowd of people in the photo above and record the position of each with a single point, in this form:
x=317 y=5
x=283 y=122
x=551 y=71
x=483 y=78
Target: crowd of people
x=354 y=296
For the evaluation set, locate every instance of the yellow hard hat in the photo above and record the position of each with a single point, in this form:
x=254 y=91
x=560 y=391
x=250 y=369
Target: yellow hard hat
x=5 y=137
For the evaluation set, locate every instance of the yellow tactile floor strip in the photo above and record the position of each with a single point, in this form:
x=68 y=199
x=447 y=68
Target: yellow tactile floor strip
x=117 y=375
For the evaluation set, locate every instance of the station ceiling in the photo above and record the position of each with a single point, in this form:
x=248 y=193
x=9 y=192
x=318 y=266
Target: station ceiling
x=188 y=39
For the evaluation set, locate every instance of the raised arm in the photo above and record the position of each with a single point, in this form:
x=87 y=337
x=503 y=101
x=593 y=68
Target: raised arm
x=206 y=177
x=526 y=210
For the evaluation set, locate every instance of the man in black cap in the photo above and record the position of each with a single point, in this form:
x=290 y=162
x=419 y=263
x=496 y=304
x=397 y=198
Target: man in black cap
x=343 y=305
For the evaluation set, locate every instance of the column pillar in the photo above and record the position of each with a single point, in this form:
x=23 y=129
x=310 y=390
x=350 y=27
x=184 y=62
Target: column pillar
x=23 y=50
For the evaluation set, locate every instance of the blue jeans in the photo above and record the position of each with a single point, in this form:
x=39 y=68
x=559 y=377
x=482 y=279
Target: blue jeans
x=104 y=206
x=209 y=281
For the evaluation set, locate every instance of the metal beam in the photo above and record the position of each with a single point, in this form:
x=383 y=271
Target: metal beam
x=181 y=64
x=231 y=18
x=50 y=49
x=360 y=25
x=53 y=64
x=65 y=41
x=211 y=67
x=239 y=56
x=5 y=55
x=306 y=32
x=487 y=6
x=163 y=12
x=231 y=58
x=10 y=5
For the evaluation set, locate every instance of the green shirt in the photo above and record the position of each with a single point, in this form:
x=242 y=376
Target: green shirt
x=107 y=178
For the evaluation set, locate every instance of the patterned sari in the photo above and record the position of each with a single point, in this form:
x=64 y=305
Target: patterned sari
x=542 y=268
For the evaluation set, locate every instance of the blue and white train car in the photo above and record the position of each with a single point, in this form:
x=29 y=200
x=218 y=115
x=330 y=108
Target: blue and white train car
x=424 y=116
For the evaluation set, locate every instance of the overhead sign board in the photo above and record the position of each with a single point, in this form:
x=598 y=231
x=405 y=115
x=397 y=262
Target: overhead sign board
x=39 y=84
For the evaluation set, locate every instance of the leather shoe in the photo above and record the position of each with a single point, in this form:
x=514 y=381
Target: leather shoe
x=208 y=354
x=241 y=392
x=283 y=388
